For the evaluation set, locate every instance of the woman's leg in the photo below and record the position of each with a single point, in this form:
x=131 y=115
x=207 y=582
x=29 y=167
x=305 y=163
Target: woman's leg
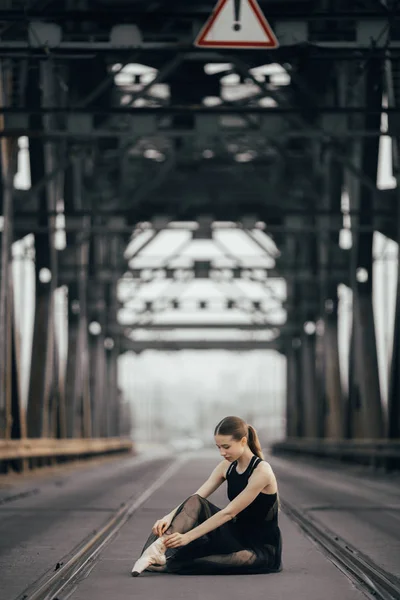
x=242 y=561
x=221 y=551
x=193 y=511
x=220 y=545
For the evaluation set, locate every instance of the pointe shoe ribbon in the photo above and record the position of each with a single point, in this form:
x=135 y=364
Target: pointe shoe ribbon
x=154 y=555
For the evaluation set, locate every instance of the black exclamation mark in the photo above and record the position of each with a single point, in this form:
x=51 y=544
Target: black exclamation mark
x=238 y=5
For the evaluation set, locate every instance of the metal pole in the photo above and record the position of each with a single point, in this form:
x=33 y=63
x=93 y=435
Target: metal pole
x=8 y=153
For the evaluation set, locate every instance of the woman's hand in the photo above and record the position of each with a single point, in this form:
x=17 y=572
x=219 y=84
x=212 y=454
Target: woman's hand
x=161 y=525
x=175 y=540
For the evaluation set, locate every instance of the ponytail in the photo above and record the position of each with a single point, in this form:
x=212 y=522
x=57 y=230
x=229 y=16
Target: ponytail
x=254 y=442
x=238 y=429
x=255 y=447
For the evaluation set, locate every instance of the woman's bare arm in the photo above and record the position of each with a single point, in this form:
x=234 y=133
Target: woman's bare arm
x=213 y=482
x=258 y=481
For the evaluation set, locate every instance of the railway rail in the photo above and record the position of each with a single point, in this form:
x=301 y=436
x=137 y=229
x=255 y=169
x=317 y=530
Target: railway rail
x=57 y=582
x=364 y=573
x=372 y=579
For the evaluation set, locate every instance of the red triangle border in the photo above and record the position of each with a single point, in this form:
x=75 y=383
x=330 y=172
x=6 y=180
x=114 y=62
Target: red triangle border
x=272 y=44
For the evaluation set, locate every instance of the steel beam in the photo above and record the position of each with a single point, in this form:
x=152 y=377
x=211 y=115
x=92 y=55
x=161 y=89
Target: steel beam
x=348 y=52
x=98 y=383
x=73 y=408
x=112 y=405
x=46 y=392
x=76 y=216
x=393 y=418
x=234 y=346
x=8 y=166
x=393 y=411
x=198 y=11
x=96 y=345
x=18 y=412
x=334 y=419
x=328 y=370
x=372 y=120
x=83 y=391
x=231 y=109
x=310 y=399
x=54 y=157
x=25 y=227
x=124 y=135
x=184 y=326
x=85 y=49
x=294 y=402
x=365 y=350
x=333 y=392
x=112 y=353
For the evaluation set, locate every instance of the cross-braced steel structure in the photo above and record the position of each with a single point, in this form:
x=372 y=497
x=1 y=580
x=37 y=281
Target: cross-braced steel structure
x=128 y=122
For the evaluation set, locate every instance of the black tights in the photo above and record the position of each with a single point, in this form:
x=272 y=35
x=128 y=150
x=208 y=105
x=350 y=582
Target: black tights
x=219 y=551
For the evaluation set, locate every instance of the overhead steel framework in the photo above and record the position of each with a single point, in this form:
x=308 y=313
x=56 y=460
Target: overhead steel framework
x=128 y=122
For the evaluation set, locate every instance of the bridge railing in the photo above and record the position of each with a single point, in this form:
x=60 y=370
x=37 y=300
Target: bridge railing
x=27 y=453
x=374 y=452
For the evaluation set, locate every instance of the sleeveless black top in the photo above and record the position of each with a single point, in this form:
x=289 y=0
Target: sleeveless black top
x=258 y=522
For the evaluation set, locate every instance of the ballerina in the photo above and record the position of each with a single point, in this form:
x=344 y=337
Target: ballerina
x=244 y=537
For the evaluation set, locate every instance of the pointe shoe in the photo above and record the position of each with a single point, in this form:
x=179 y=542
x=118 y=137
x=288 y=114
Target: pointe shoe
x=156 y=568
x=154 y=555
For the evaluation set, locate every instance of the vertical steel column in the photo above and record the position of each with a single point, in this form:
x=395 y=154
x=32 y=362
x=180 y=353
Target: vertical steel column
x=97 y=350
x=60 y=384
x=52 y=373
x=18 y=430
x=353 y=422
x=334 y=394
x=393 y=417
x=311 y=402
x=116 y=253
x=332 y=181
x=294 y=390
x=73 y=398
x=83 y=366
x=312 y=372
x=294 y=425
x=365 y=351
x=393 y=426
x=82 y=356
x=8 y=165
x=42 y=346
x=321 y=406
x=76 y=256
x=98 y=369
x=112 y=390
x=366 y=364
x=42 y=363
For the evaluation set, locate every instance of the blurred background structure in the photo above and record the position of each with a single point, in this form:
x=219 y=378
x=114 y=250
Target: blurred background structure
x=192 y=232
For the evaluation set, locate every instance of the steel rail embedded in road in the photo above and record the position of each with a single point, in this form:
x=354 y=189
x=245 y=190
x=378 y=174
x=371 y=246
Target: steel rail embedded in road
x=51 y=586
x=380 y=584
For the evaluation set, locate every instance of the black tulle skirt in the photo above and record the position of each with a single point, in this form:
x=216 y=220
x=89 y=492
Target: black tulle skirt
x=232 y=548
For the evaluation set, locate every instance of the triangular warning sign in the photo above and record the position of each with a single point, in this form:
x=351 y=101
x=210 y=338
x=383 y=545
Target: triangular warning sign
x=237 y=24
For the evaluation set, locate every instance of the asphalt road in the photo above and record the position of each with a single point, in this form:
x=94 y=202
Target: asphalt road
x=55 y=514
x=44 y=519
x=361 y=508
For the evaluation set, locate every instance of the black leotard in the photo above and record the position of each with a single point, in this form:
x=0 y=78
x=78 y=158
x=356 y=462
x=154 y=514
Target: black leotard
x=258 y=522
x=250 y=543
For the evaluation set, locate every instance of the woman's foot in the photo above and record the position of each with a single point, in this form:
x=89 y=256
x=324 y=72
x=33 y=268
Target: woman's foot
x=157 y=568
x=154 y=555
